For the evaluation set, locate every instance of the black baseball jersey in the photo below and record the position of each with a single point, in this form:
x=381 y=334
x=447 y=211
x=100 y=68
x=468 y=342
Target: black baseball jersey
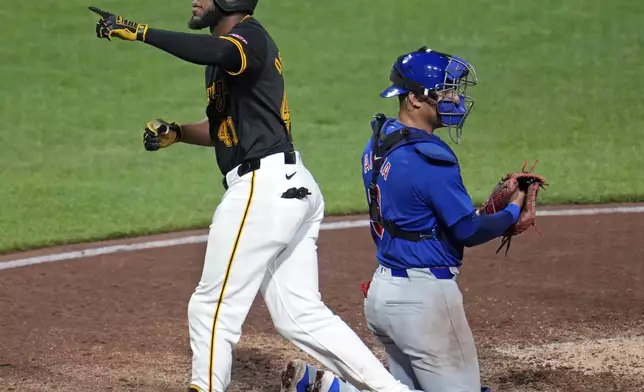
x=247 y=105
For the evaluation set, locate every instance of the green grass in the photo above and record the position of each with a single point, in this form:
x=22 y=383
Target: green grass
x=559 y=82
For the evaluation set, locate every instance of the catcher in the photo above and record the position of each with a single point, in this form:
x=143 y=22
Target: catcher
x=422 y=218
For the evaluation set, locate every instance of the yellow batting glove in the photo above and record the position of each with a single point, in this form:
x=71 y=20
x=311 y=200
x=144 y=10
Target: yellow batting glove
x=111 y=25
x=160 y=134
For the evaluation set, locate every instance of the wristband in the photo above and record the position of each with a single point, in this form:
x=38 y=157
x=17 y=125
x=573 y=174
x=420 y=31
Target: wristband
x=513 y=209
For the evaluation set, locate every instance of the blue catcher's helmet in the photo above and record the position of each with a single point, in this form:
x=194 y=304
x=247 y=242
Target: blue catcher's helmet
x=426 y=72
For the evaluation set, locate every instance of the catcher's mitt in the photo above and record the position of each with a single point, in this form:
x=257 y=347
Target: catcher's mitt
x=502 y=193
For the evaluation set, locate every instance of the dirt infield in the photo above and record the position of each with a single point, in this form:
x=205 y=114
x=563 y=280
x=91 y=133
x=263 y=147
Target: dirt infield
x=563 y=312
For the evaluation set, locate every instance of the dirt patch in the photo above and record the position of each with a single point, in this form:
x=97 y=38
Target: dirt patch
x=509 y=373
x=118 y=322
x=622 y=356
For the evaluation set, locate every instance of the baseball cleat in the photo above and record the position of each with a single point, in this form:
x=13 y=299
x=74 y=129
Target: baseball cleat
x=325 y=381
x=295 y=378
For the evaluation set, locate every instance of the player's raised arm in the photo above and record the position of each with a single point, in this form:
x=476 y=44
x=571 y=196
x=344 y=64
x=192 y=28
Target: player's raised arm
x=237 y=51
x=226 y=51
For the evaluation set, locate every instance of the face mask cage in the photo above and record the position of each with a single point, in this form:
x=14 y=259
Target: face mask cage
x=459 y=75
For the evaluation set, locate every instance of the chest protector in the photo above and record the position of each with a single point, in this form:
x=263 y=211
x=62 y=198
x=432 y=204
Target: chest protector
x=381 y=146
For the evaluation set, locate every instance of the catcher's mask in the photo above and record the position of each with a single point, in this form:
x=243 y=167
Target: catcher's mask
x=426 y=72
x=221 y=9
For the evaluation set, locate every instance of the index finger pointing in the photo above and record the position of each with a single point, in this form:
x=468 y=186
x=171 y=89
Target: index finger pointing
x=99 y=11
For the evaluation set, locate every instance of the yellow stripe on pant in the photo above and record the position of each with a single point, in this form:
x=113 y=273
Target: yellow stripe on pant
x=223 y=286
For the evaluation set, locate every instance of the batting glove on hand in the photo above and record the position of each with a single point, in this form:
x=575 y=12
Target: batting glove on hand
x=160 y=134
x=113 y=25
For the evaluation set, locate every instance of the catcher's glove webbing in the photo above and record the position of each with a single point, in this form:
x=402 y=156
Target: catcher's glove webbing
x=500 y=197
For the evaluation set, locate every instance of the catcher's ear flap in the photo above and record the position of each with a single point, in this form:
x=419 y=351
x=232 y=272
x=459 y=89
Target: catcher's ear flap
x=435 y=152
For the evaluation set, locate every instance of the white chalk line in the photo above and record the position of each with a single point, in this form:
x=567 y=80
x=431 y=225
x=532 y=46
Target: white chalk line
x=196 y=239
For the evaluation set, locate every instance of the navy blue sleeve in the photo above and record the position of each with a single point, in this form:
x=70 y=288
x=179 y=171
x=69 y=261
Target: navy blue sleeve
x=445 y=193
x=474 y=230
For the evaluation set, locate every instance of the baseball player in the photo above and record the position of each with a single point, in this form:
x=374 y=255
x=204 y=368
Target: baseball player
x=422 y=218
x=264 y=231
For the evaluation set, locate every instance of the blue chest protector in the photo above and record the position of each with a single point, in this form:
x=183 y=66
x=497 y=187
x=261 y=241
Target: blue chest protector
x=383 y=145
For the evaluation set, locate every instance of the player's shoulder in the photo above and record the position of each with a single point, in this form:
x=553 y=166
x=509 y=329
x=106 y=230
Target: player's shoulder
x=436 y=151
x=419 y=148
x=428 y=149
x=249 y=29
x=256 y=39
